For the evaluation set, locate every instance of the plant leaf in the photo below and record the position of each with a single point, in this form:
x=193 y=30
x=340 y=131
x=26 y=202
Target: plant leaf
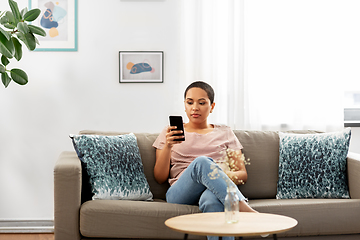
x=10 y=17
x=18 y=48
x=9 y=26
x=5 y=79
x=19 y=76
x=2 y=68
x=6 y=47
x=23 y=27
x=28 y=39
x=31 y=41
x=6 y=34
x=8 y=20
x=4 y=60
x=4 y=19
x=37 y=30
x=15 y=10
x=32 y=15
x=23 y=12
x=37 y=41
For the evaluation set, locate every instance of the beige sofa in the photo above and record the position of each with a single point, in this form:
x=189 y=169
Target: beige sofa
x=77 y=217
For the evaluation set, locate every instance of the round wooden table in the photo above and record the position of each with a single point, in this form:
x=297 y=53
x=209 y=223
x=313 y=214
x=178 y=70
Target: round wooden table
x=213 y=224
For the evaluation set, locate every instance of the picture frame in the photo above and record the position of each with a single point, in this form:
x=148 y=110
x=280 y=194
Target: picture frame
x=141 y=66
x=59 y=20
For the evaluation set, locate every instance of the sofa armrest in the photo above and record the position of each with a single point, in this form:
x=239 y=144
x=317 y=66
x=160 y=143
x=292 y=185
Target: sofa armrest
x=353 y=166
x=67 y=196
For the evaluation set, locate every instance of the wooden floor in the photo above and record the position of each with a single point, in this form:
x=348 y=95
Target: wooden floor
x=26 y=236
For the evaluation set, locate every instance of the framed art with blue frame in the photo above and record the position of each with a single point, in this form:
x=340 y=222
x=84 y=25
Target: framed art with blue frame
x=141 y=66
x=59 y=20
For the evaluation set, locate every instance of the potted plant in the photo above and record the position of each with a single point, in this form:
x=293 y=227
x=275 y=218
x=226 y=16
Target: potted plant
x=15 y=28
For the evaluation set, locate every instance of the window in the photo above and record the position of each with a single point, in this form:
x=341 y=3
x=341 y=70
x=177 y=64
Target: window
x=352 y=109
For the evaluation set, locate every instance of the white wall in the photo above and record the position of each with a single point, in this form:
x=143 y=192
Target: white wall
x=71 y=91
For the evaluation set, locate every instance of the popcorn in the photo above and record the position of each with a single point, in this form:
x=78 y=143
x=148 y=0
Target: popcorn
x=229 y=163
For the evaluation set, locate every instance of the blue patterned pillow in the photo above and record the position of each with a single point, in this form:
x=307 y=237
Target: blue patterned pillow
x=313 y=165
x=114 y=166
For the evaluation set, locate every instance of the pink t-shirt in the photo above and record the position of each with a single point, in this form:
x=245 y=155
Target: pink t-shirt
x=211 y=145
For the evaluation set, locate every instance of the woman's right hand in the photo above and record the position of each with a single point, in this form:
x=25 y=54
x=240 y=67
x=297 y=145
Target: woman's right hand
x=171 y=138
x=162 y=164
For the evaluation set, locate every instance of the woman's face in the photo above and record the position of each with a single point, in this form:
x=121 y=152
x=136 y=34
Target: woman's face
x=197 y=105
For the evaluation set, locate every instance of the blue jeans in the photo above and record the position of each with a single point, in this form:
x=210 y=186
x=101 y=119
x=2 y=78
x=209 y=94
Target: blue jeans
x=196 y=187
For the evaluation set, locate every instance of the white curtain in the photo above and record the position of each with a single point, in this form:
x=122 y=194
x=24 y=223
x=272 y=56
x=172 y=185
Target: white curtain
x=212 y=51
x=274 y=65
x=298 y=57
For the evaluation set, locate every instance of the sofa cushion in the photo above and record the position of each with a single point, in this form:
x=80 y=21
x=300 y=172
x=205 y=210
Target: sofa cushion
x=148 y=157
x=315 y=216
x=262 y=148
x=313 y=165
x=138 y=219
x=114 y=166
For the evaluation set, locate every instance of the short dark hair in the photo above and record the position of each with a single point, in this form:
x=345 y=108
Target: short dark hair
x=204 y=86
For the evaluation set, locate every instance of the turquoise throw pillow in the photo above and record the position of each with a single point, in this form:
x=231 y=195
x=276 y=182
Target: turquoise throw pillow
x=114 y=166
x=313 y=165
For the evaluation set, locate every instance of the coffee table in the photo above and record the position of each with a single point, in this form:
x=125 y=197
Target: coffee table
x=213 y=224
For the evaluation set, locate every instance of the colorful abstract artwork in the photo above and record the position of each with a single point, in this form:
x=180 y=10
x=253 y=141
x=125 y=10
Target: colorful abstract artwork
x=51 y=18
x=59 y=19
x=141 y=66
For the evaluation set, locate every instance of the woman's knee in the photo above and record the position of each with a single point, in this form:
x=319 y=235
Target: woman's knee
x=203 y=161
x=208 y=202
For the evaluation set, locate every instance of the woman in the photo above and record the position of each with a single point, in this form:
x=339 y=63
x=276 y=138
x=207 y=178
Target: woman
x=187 y=164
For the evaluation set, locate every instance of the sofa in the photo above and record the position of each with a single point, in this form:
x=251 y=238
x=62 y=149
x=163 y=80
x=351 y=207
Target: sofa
x=77 y=216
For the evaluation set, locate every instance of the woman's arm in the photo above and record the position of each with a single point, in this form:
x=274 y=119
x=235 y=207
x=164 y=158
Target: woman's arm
x=237 y=173
x=162 y=164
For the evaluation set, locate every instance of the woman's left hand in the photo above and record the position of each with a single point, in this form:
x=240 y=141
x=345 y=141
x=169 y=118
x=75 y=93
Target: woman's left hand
x=234 y=177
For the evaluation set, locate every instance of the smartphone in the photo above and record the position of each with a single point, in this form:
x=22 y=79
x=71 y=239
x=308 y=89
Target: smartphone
x=178 y=122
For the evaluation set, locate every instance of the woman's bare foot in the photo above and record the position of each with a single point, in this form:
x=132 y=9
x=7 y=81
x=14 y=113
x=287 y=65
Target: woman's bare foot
x=244 y=207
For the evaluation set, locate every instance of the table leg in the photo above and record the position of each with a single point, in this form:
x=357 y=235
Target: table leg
x=274 y=236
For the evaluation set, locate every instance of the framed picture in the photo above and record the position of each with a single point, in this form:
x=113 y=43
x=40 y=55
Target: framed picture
x=59 y=20
x=141 y=67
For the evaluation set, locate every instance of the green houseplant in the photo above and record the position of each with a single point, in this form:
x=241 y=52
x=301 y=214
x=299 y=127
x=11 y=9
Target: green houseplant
x=15 y=28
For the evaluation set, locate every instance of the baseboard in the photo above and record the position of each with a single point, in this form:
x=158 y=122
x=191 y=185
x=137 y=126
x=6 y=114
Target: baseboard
x=26 y=226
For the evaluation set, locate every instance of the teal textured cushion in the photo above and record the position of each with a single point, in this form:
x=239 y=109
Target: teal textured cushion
x=114 y=166
x=313 y=165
